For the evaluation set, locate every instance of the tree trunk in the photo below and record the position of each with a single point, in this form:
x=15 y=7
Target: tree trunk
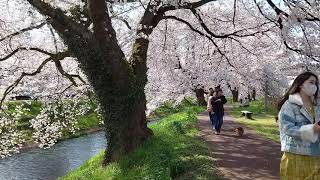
x=200 y=97
x=121 y=96
x=254 y=94
x=266 y=96
x=235 y=94
x=125 y=131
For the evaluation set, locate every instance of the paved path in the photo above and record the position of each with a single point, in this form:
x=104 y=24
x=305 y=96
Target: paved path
x=249 y=157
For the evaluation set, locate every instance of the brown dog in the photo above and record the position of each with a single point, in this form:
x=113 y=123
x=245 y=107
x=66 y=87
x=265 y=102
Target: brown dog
x=239 y=131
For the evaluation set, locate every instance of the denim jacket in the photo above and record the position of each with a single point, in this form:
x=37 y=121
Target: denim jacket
x=296 y=128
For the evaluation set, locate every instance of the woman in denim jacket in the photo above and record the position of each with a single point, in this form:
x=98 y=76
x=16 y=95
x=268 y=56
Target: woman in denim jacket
x=299 y=114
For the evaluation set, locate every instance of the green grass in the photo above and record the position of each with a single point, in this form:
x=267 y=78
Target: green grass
x=88 y=122
x=168 y=108
x=263 y=122
x=173 y=152
x=85 y=123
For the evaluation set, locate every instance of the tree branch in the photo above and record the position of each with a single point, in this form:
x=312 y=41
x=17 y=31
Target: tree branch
x=125 y=22
x=53 y=57
x=223 y=36
x=263 y=14
x=279 y=13
x=295 y=5
x=61 y=22
x=202 y=34
x=168 y=7
x=103 y=31
x=23 y=30
x=65 y=74
x=24 y=74
x=276 y=9
x=234 y=12
x=23 y=49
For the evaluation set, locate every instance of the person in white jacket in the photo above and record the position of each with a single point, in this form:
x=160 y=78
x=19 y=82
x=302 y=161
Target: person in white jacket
x=299 y=115
x=209 y=107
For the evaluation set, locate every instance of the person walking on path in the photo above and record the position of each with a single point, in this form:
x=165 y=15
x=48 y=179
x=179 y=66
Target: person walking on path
x=217 y=103
x=209 y=106
x=250 y=157
x=299 y=114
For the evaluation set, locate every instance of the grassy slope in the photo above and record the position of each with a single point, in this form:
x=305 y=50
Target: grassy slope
x=174 y=152
x=263 y=122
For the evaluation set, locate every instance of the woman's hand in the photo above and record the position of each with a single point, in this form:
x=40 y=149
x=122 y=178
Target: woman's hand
x=316 y=127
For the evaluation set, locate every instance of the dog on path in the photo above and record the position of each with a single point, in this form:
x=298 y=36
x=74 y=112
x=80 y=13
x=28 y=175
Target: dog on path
x=239 y=131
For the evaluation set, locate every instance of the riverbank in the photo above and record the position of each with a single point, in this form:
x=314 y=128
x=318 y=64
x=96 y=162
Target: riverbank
x=174 y=151
x=87 y=124
x=62 y=120
x=50 y=164
x=32 y=145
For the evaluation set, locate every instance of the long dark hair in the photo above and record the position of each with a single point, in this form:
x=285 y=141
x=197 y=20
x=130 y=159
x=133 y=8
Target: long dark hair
x=295 y=87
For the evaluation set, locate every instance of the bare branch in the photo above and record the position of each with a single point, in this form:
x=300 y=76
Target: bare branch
x=276 y=9
x=279 y=13
x=66 y=89
x=24 y=74
x=23 y=30
x=54 y=38
x=299 y=51
x=168 y=7
x=234 y=12
x=65 y=74
x=125 y=22
x=222 y=36
x=115 y=16
x=142 y=5
x=165 y=35
x=294 y=4
x=202 y=34
x=23 y=49
x=260 y=10
x=245 y=48
x=54 y=57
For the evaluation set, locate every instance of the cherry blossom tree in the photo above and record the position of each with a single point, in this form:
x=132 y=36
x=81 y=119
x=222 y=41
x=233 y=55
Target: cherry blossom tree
x=217 y=41
x=118 y=83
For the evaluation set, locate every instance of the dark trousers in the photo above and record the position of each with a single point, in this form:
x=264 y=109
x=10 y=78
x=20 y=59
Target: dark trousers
x=211 y=117
x=218 y=119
